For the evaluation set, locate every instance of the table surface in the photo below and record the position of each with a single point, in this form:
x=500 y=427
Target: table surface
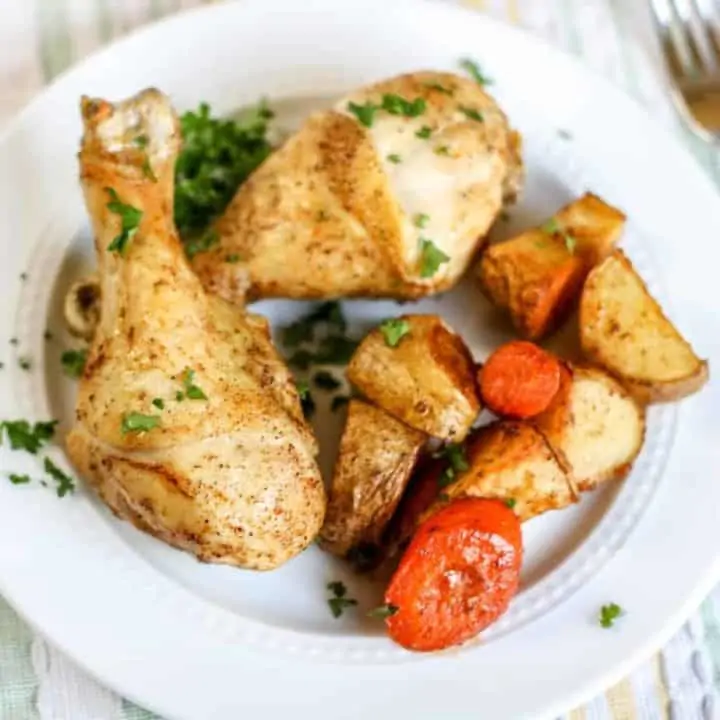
x=40 y=38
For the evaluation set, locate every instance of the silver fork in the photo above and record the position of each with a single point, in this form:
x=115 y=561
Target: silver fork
x=689 y=33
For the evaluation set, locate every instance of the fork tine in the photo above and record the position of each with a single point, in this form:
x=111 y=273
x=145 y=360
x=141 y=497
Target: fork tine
x=697 y=33
x=710 y=15
x=674 y=49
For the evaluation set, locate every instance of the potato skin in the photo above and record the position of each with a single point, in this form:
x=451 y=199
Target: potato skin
x=536 y=278
x=376 y=459
x=624 y=330
x=427 y=381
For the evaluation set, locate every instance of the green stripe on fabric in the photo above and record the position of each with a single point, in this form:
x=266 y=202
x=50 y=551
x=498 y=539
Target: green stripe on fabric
x=135 y=712
x=55 y=46
x=104 y=20
x=572 y=36
x=711 y=625
x=18 y=682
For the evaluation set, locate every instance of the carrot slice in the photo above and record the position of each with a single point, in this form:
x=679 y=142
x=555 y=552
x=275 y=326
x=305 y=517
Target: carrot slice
x=457 y=576
x=519 y=380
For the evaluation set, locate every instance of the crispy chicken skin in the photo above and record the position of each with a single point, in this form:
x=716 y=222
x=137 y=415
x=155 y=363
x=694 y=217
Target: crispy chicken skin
x=230 y=477
x=342 y=208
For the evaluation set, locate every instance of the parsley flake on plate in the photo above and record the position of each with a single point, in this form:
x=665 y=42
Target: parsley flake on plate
x=130 y=218
x=135 y=422
x=25 y=363
x=364 y=113
x=424 y=132
x=328 y=314
x=394 y=330
x=65 y=484
x=23 y=436
x=442 y=150
x=232 y=258
x=511 y=502
x=431 y=258
x=553 y=227
x=19 y=479
x=394 y=158
x=339 y=602
x=159 y=403
x=192 y=391
x=473 y=69
x=383 y=611
x=73 y=362
x=609 y=614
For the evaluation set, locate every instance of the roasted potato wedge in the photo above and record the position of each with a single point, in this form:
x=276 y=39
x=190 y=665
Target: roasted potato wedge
x=594 y=426
x=377 y=457
x=537 y=276
x=427 y=380
x=507 y=460
x=624 y=330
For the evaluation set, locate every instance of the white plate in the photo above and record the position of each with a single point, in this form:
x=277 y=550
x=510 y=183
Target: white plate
x=196 y=641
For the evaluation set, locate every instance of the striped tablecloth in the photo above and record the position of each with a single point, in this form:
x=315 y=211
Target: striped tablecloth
x=40 y=38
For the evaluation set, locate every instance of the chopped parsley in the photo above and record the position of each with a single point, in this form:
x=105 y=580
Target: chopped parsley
x=421 y=220
x=431 y=258
x=232 y=258
x=217 y=156
x=23 y=436
x=65 y=484
x=339 y=601
x=511 y=502
x=304 y=329
x=141 y=141
x=201 y=243
x=472 y=114
x=398 y=105
x=19 y=479
x=383 y=611
x=394 y=330
x=364 y=113
x=609 y=614
x=394 y=158
x=192 y=391
x=473 y=69
x=424 y=132
x=159 y=403
x=442 y=150
x=457 y=463
x=439 y=88
x=25 y=363
x=339 y=401
x=553 y=227
x=130 y=218
x=73 y=362
x=135 y=422
x=326 y=380
x=306 y=399
x=179 y=396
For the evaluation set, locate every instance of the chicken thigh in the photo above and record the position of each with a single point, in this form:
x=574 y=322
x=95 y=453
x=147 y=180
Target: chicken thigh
x=389 y=194
x=188 y=422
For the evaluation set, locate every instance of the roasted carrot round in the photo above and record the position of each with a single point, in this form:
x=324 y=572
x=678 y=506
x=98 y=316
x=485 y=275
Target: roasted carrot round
x=457 y=576
x=519 y=380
